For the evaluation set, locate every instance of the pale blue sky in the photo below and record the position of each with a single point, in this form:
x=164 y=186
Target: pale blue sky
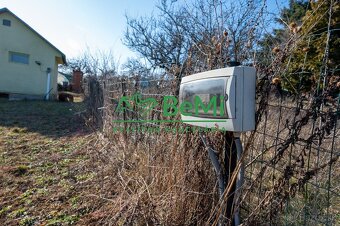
x=74 y=25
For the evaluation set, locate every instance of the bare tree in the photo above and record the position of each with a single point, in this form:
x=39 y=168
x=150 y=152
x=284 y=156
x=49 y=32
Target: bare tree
x=98 y=63
x=202 y=35
x=134 y=67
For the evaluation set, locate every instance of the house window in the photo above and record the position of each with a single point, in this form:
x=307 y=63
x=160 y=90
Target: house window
x=6 y=22
x=18 y=58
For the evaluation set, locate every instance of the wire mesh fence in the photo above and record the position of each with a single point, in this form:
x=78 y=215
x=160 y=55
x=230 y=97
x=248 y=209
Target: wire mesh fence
x=290 y=159
x=291 y=163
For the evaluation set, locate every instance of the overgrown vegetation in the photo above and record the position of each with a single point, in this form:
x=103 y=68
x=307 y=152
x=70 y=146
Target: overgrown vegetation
x=307 y=31
x=292 y=146
x=55 y=172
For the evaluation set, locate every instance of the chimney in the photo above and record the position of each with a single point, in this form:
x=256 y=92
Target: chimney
x=77 y=81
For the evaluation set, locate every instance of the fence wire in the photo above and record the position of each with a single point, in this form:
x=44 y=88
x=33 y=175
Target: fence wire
x=291 y=159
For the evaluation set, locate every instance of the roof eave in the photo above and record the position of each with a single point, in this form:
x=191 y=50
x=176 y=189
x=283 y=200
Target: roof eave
x=63 y=56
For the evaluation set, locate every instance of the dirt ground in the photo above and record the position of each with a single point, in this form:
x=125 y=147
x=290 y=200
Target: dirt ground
x=42 y=159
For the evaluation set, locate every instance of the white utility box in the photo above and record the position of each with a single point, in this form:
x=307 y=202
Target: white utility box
x=222 y=98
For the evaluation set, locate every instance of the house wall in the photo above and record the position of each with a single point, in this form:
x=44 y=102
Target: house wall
x=30 y=79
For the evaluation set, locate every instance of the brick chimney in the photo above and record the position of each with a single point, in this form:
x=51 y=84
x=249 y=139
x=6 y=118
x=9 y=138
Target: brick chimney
x=77 y=81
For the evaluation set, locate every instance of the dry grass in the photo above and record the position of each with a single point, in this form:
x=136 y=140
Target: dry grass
x=41 y=161
x=165 y=178
x=54 y=171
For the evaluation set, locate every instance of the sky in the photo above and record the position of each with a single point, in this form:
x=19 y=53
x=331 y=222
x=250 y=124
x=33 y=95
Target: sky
x=75 y=25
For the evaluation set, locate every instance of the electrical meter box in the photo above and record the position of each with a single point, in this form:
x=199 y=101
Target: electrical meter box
x=222 y=98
